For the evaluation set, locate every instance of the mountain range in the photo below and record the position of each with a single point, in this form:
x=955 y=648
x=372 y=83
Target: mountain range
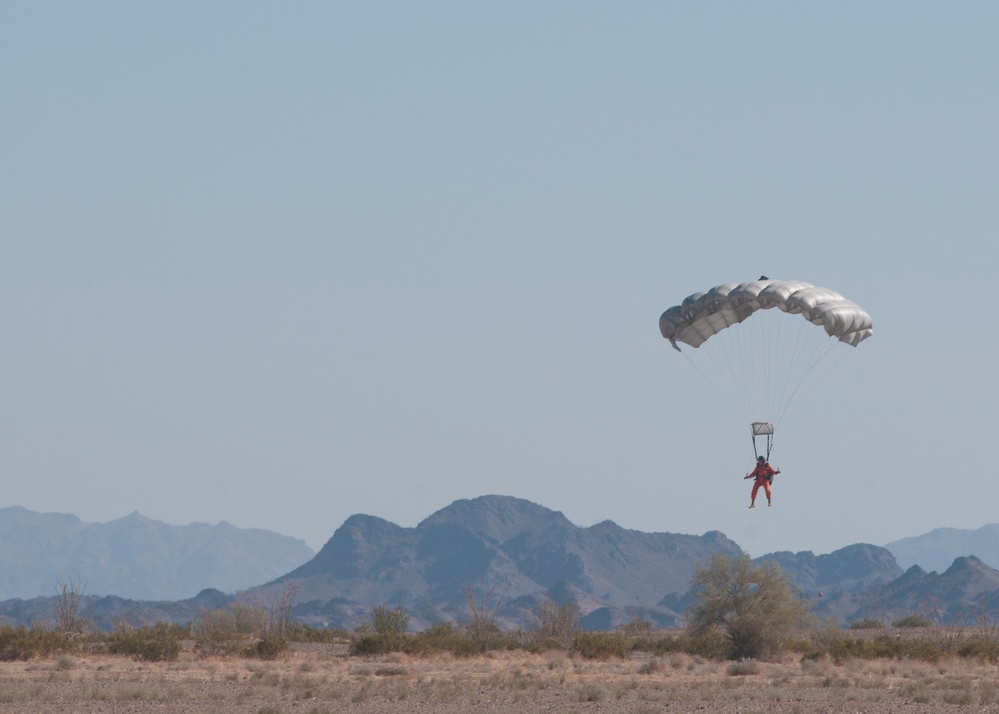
x=519 y=553
x=507 y=553
x=937 y=549
x=136 y=557
x=512 y=548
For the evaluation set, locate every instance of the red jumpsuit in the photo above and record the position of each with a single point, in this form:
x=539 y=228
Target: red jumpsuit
x=763 y=474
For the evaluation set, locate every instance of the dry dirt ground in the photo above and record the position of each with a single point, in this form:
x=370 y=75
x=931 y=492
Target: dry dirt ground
x=320 y=679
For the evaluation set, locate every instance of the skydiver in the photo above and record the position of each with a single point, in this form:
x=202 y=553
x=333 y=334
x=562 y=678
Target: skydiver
x=764 y=474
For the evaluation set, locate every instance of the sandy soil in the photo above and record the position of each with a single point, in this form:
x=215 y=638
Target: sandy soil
x=320 y=680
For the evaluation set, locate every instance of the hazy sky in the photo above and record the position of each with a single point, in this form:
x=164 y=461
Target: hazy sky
x=280 y=263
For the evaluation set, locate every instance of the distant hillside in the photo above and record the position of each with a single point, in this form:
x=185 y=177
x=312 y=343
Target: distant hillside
x=510 y=547
x=961 y=595
x=937 y=549
x=109 y=611
x=135 y=557
x=851 y=569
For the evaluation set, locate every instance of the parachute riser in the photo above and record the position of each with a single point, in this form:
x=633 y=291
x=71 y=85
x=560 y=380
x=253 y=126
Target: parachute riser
x=763 y=429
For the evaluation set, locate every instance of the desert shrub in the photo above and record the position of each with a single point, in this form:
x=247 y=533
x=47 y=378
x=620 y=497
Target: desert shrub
x=668 y=645
x=591 y=692
x=247 y=619
x=268 y=647
x=69 y=593
x=744 y=668
x=389 y=622
x=984 y=648
x=156 y=643
x=555 y=626
x=267 y=617
x=299 y=632
x=602 y=645
x=377 y=644
x=886 y=647
x=483 y=610
x=23 y=643
x=913 y=621
x=921 y=649
x=385 y=632
x=216 y=633
x=447 y=637
x=649 y=666
x=250 y=627
x=711 y=644
x=753 y=607
x=637 y=628
x=867 y=623
x=846 y=648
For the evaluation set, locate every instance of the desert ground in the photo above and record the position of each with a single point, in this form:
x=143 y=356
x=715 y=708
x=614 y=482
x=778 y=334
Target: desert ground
x=319 y=679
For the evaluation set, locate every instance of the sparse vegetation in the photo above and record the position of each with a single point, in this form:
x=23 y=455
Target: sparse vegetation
x=387 y=622
x=504 y=681
x=555 y=626
x=849 y=669
x=483 y=608
x=386 y=631
x=743 y=668
x=913 y=621
x=604 y=645
x=24 y=643
x=252 y=628
x=247 y=631
x=156 y=643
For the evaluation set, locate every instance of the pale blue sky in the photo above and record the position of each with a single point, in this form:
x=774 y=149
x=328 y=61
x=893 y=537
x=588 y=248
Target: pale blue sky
x=280 y=263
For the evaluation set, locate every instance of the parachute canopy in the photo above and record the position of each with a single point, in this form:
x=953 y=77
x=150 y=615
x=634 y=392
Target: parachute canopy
x=704 y=314
x=758 y=367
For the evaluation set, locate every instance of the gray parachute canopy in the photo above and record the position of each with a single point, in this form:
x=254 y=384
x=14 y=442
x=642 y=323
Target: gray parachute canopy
x=703 y=315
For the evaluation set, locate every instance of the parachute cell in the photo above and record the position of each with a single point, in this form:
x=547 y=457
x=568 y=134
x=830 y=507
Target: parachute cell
x=703 y=315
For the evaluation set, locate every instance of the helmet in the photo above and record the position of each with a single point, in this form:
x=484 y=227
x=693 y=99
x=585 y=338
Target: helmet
x=761 y=459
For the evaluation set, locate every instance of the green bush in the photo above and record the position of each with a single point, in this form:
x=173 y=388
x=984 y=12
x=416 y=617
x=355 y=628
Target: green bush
x=389 y=622
x=637 y=628
x=297 y=632
x=984 y=648
x=753 y=606
x=157 y=643
x=377 y=644
x=712 y=644
x=267 y=647
x=216 y=633
x=881 y=647
x=389 y=626
x=603 y=645
x=23 y=643
x=447 y=637
x=913 y=621
x=921 y=649
x=666 y=645
x=867 y=623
